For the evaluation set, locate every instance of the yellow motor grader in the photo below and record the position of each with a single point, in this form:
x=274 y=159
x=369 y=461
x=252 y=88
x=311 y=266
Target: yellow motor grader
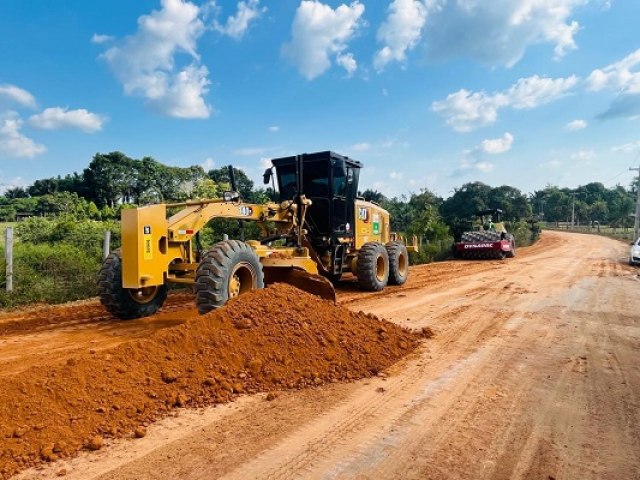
x=319 y=229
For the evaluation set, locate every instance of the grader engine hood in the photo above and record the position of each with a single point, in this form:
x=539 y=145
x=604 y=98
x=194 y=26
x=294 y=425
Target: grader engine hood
x=144 y=246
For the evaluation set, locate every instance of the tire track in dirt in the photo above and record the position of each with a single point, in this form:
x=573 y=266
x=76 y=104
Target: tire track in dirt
x=502 y=391
x=531 y=441
x=398 y=391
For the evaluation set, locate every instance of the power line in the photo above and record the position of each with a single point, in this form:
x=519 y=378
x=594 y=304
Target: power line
x=616 y=176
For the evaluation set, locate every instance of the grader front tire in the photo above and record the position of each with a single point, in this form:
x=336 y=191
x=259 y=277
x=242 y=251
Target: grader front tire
x=126 y=303
x=373 y=266
x=227 y=270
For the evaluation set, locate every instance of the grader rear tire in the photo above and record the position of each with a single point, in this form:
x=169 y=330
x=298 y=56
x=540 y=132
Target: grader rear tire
x=126 y=303
x=373 y=267
x=227 y=270
x=398 y=263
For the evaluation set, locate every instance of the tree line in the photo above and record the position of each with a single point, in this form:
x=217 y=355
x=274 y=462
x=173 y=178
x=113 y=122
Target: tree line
x=114 y=181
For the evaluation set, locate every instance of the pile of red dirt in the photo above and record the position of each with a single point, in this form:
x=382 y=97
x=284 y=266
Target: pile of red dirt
x=267 y=340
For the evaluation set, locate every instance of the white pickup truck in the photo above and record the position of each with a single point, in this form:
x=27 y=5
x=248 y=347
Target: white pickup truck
x=634 y=255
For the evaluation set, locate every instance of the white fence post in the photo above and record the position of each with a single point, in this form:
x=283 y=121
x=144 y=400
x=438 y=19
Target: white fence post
x=106 y=244
x=8 y=255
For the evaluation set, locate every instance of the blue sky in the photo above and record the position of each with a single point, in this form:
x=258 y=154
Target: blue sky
x=427 y=93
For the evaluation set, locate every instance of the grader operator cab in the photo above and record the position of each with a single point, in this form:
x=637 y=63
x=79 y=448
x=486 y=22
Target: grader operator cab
x=318 y=230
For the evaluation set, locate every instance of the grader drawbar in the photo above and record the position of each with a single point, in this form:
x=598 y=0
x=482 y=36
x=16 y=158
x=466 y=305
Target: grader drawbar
x=318 y=230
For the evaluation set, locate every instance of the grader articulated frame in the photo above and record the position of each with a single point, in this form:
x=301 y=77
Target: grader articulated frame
x=319 y=230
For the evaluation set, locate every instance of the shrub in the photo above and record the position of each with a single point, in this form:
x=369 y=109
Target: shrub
x=525 y=233
x=86 y=234
x=50 y=274
x=435 y=251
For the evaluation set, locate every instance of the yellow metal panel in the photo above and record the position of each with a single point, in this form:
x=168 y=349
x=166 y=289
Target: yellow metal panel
x=372 y=224
x=303 y=263
x=144 y=246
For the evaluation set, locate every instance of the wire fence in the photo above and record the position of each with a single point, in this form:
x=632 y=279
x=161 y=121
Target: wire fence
x=624 y=234
x=50 y=272
x=60 y=264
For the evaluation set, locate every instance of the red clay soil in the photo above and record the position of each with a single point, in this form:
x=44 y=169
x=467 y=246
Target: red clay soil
x=27 y=319
x=267 y=340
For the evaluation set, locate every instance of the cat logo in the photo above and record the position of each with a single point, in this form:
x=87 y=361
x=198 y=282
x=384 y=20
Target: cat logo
x=147 y=239
x=363 y=214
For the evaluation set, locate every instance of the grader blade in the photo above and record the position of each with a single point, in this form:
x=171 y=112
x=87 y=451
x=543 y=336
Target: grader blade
x=313 y=284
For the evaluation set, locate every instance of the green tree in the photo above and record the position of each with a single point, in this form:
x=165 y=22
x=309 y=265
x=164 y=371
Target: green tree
x=425 y=216
x=514 y=205
x=465 y=202
x=245 y=184
x=621 y=207
x=400 y=212
x=371 y=195
x=598 y=211
x=109 y=178
x=557 y=206
x=16 y=192
x=206 y=188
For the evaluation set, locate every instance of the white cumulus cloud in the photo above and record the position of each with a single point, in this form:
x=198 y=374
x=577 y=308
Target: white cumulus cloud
x=266 y=163
x=13 y=143
x=347 y=62
x=274 y=128
x=98 y=38
x=583 y=155
x=237 y=25
x=401 y=31
x=16 y=95
x=623 y=75
x=484 y=167
x=465 y=110
x=56 y=118
x=498 y=32
x=361 y=147
x=145 y=62
x=576 y=125
x=469 y=166
x=9 y=183
x=320 y=35
x=627 y=147
x=624 y=78
x=208 y=164
x=497 y=145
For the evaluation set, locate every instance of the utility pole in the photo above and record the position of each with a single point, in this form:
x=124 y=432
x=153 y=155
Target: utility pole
x=573 y=209
x=636 y=223
x=106 y=244
x=8 y=255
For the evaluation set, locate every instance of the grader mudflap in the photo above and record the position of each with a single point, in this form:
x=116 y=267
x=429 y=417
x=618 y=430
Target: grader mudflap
x=314 y=284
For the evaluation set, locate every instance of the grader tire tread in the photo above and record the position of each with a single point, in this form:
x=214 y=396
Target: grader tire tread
x=366 y=266
x=212 y=274
x=396 y=250
x=116 y=299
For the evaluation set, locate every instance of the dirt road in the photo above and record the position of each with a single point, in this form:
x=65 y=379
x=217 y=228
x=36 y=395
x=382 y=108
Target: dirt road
x=534 y=373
